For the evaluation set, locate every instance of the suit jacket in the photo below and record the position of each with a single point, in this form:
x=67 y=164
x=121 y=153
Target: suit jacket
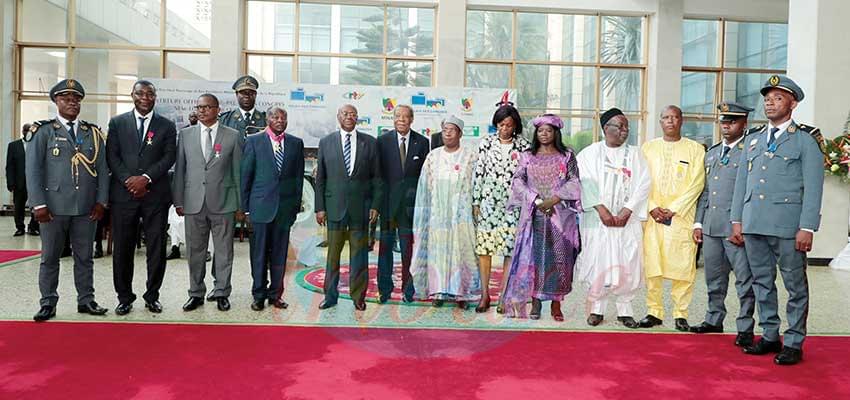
x=197 y=181
x=16 y=178
x=779 y=193
x=340 y=195
x=50 y=179
x=127 y=157
x=715 y=202
x=436 y=140
x=400 y=183
x=267 y=193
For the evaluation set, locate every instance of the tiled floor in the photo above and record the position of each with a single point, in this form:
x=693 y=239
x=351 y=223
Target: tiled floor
x=19 y=300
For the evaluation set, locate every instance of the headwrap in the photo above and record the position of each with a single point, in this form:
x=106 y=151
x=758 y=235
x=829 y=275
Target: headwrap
x=451 y=119
x=548 y=119
x=608 y=115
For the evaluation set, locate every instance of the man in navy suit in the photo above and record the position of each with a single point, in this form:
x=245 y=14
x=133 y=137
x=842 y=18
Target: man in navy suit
x=272 y=181
x=402 y=153
x=141 y=148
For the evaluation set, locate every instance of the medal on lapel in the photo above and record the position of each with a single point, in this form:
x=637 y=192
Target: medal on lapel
x=150 y=138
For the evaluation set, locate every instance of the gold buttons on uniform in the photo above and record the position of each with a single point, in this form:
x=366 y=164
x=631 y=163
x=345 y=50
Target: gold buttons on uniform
x=761 y=180
x=713 y=207
x=761 y=197
x=714 y=193
x=786 y=200
x=764 y=167
x=716 y=178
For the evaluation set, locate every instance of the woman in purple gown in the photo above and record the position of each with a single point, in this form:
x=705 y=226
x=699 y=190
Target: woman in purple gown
x=547 y=191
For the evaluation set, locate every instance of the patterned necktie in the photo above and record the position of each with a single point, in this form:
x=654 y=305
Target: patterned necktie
x=278 y=156
x=71 y=131
x=724 y=155
x=346 y=153
x=140 y=130
x=771 y=140
x=208 y=147
x=402 y=151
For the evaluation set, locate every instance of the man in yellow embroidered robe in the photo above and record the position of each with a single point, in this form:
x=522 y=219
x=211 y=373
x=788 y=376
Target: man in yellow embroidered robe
x=676 y=167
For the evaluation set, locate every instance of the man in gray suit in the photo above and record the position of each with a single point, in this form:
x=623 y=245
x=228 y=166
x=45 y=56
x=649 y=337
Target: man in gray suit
x=206 y=191
x=348 y=195
x=712 y=227
x=68 y=187
x=775 y=211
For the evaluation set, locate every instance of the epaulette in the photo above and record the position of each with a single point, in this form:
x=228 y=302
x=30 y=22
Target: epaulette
x=815 y=132
x=223 y=113
x=754 y=129
x=715 y=145
x=34 y=127
x=94 y=128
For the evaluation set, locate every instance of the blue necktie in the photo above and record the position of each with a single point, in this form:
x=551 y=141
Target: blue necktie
x=278 y=156
x=771 y=140
x=346 y=153
x=141 y=130
x=71 y=131
x=724 y=155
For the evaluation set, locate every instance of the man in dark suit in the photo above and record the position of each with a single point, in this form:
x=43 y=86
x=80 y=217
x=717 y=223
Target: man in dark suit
x=402 y=153
x=272 y=181
x=348 y=196
x=16 y=182
x=142 y=147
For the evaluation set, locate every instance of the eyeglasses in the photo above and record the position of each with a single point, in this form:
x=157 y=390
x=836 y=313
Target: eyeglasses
x=204 y=107
x=348 y=113
x=149 y=95
x=620 y=128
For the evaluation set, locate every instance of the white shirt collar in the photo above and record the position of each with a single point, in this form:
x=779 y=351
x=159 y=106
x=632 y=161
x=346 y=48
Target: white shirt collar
x=65 y=121
x=147 y=116
x=214 y=126
x=733 y=143
x=782 y=127
x=251 y=112
x=406 y=137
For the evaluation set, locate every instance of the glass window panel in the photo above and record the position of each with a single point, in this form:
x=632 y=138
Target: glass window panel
x=315 y=28
x=188 y=66
x=698 y=89
x=34 y=110
x=114 y=71
x=42 y=68
x=700 y=131
x=699 y=43
x=271 y=26
x=336 y=70
x=622 y=40
x=495 y=76
x=745 y=89
x=118 y=22
x=410 y=31
x=100 y=113
x=621 y=88
x=577 y=133
x=756 y=45
x=187 y=23
x=361 y=29
x=489 y=34
x=38 y=14
x=556 y=37
x=555 y=87
x=270 y=69
x=408 y=73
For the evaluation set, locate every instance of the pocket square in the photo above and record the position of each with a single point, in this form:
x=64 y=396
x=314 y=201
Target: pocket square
x=415 y=158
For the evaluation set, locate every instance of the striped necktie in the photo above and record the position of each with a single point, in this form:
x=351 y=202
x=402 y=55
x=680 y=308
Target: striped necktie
x=346 y=153
x=278 y=156
x=771 y=140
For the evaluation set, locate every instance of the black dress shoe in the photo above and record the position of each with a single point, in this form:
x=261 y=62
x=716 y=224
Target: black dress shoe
x=744 y=339
x=360 y=305
x=19 y=232
x=91 y=308
x=174 y=254
x=705 y=327
x=649 y=321
x=222 y=303
x=193 y=303
x=211 y=296
x=628 y=322
x=788 y=356
x=407 y=298
x=98 y=251
x=154 y=306
x=258 y=305
x=123 y=308
x=681 y=324
x=594 y=319
x=279 y=303
x=44 y=314
x=324 y=305
x=763 y=347
x=383 y=298
x=34 y=232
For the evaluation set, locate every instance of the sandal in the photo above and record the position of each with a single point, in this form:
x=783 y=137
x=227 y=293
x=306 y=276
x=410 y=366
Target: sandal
x=555 y=309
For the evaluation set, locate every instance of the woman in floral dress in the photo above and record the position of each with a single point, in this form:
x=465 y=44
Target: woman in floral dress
x=497 y=160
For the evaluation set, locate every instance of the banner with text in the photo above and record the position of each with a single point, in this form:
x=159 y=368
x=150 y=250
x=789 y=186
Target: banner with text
x=312 y=108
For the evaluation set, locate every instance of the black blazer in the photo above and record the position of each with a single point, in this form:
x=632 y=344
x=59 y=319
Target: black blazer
x=126 y=157
x=16 y=177
x=267 y=193
x=339 y=194
x=400 y=184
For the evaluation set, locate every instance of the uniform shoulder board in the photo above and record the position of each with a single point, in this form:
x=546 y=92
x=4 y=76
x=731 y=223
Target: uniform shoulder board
x=34 y=127
x=815 y=132
x=755 y=129
x=96 y=129
x=223 y=113
x=715 y=145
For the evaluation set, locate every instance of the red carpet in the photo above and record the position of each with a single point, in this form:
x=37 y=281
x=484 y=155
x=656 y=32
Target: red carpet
x=14 y=256
x=137 y=361
x=314 y=280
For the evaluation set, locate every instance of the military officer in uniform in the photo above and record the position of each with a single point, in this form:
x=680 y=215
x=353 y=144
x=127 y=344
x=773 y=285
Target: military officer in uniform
x=68 y=185
x=245 y=119
x=712 y=227
x=775 y=211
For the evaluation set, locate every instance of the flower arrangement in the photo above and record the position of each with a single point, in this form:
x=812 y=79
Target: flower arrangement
x=837 y=158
